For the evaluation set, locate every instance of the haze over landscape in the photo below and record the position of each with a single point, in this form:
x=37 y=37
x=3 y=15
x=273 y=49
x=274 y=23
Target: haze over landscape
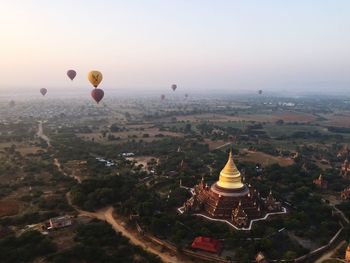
x=145 y=45
x=182 y=131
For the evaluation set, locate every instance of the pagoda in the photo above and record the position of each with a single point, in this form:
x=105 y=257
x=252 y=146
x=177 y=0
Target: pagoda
x=320 y=182
x=230 y=199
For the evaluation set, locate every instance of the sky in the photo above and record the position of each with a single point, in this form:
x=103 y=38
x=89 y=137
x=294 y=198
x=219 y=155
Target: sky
x=197 y=44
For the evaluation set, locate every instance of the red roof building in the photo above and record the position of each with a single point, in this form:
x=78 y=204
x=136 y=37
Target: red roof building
x=207 y=244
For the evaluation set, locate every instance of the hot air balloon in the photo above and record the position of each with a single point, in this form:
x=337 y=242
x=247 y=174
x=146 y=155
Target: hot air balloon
x=186 y=95
x=97 y=94
x=260 y=91
x=71 y=74
x=95 y=78
x=162 y=97
x=43 y=91
x=173 y=87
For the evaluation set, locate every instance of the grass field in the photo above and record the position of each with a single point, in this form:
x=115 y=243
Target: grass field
x=289 y=129
x=23 y=148
x=214 y=144
x=264 y=158
x=147 y=134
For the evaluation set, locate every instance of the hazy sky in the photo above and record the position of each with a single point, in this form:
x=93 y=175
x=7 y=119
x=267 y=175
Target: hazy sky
x=195 y=43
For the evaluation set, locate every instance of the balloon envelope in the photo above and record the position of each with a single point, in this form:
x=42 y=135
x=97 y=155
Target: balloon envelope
x=95 y=78
x=97 y=94
x=71 y=74
x=43 y=91
x=173 y=87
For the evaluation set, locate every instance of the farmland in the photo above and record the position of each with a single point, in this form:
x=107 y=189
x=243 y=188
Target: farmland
x=132 y=155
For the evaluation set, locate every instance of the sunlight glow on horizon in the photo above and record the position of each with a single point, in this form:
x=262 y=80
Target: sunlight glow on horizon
x=197 y=43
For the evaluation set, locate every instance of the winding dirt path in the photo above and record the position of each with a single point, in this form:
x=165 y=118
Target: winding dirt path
x=56 y=162
x=59 y=167
x=106 y=214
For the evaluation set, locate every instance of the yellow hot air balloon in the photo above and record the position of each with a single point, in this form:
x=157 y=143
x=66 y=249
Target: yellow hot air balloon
x=95 y=78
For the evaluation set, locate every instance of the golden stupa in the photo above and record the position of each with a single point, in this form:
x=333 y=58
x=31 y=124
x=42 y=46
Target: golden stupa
x=230 y=177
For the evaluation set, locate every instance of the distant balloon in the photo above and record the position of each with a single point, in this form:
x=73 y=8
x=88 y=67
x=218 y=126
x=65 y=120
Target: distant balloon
x=173 y=87
x=260 y=91
x=162 y=97
x=71 y=74
x=43 y=91
x=97 y=94
x=186 y=95
x=95 y=78
x=12 y=103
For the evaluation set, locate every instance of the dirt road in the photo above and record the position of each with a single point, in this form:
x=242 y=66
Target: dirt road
x=41 y=134
x=59 y=167
x=106 y=214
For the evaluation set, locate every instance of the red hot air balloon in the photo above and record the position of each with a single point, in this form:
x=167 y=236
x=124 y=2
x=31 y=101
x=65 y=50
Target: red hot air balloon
x=173 y=87
x=43 y=91
x=97 y=94
x=71 y=74
x=162 y=97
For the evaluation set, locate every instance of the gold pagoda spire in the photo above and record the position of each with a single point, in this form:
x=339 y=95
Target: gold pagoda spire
x=230 y=177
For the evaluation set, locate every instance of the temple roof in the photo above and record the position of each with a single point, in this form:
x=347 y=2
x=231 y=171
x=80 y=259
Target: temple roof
x=230 y=177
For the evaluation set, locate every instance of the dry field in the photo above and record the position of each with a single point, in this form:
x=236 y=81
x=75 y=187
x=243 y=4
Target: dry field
x=9 y=207
x=337 y=120
x=264 y=158
x=273 y=117
x=23 y=148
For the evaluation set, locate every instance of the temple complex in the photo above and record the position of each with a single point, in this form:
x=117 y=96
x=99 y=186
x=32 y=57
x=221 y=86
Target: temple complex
x=231 y=199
